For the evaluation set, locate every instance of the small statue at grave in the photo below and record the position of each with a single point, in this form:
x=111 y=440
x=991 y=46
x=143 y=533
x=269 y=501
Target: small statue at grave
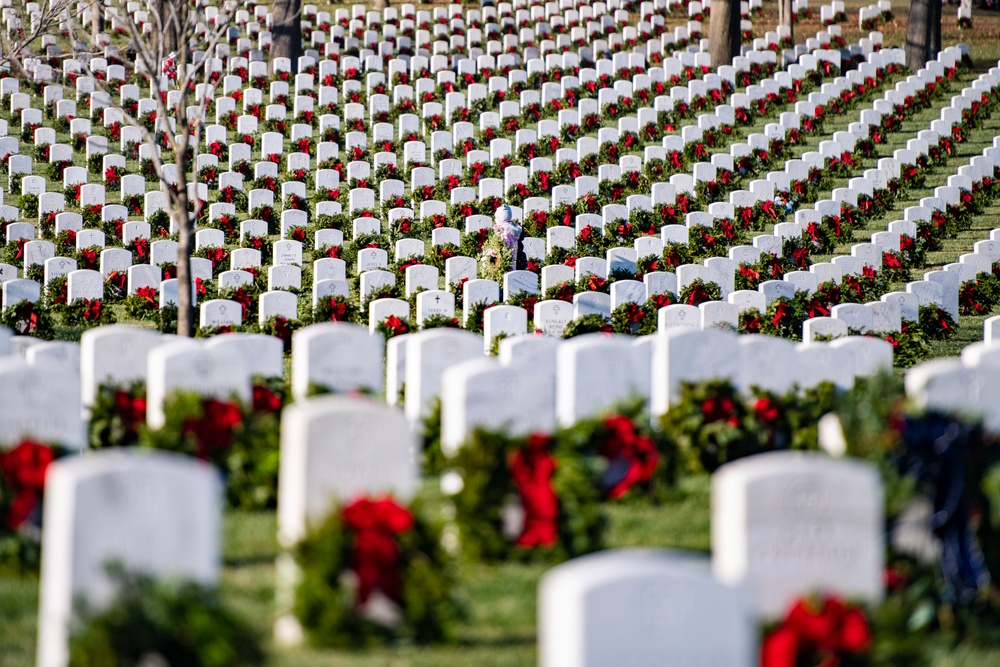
x=503 y=250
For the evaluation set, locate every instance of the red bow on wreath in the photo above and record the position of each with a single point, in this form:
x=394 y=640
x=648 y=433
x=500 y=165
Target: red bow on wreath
x=24 y=468
x=532 y=468
x=213 y=431
x=131 y=409
x=92 y=310
x=375 y=524
x=780 y=313
x=26 y=313
x=827 y=633
x=639 y=452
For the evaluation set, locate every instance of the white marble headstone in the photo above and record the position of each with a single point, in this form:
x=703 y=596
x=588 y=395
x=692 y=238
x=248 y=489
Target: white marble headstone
x=788 y=524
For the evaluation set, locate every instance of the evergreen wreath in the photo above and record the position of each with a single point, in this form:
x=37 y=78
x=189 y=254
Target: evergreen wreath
x=241 y=440
x=586 y=324
x=180 y=622
x=628 y=460
x=375 y=546
x=555 y=487
x=117 y=415
x=28 y=319
x=22 y=487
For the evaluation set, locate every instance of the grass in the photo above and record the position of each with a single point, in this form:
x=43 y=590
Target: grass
x=500 y=599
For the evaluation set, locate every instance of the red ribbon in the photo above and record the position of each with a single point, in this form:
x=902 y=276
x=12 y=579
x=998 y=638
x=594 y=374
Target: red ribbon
x=639 y=451
x=375 y=524
x=747 y=272
x=24 y=469
x=26 y=312
x=131 y=410
x=531 y=468
x=147 y=293
x=715 y=409
x=214 y=429
x=827 y=633
x=92 y=310
x=780 y=313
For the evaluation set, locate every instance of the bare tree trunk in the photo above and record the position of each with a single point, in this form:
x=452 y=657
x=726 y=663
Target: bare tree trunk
x=919 y=32
x=935 y=30
x=185 y=218
x=724 y=32
x=787 y=17
x=170 y=19
x=96 y=18
x=286 y=31
x=185 y=236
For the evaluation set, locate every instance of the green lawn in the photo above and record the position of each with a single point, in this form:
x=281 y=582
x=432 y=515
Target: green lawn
x=500 y=599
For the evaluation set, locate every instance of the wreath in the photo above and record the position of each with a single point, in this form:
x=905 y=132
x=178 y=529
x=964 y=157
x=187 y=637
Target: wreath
x=936 y=322
x=22 y=486
x=496 y=259
x=242 y=441
x=116 y=286
x=586 y=324
x=542 y=478
x=826 y=631
x=909 y=344
x=117 y=415
x=374 y=572
x=698 y=292
x=640 y=319
x=393 y=326
x=142 y=304
x=166 y=319
x=629 y=460
x=713 y=423
x=282 y=328
x=335 y=309
x=88 y=313
x=57 y=293
x=434 y=460
x=26 y=318
x=477 y=312
x=180 y=622
x=440 y=322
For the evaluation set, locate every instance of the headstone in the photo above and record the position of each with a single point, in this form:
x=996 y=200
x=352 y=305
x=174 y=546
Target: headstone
x=786 y=524
x=480 y=393
x=152 y=512
x=428 y=355
x=113 y=355
x=690 y=355
x=596 y=372
x=264 y=355
x=338 y=357
x=639 y=607
x=188 y=366
x=28 y=394
x=334 y=448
